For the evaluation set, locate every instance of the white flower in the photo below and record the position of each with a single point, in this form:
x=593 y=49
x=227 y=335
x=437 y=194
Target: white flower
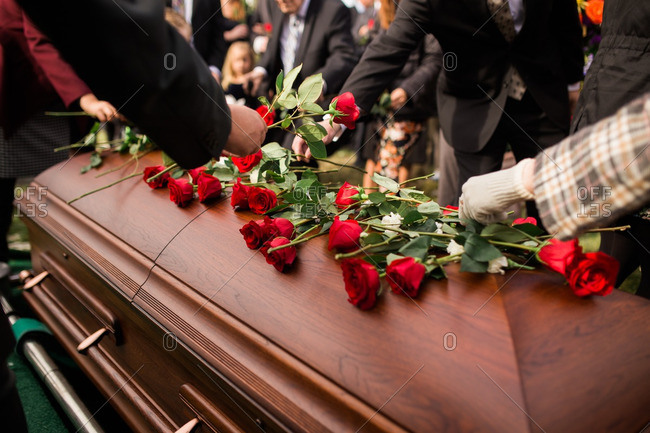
x=455 y=248
x=392 y=220
x=496 y=266
x=363 y=234
x=439 y=229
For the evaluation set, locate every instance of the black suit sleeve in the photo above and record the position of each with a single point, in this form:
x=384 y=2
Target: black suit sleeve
x=427 y=71
x=386 y=55
x=341 y=48
x=129 y=56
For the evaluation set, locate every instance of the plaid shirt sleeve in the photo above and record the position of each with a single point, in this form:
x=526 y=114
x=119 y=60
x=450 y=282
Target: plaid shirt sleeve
x=597 y=175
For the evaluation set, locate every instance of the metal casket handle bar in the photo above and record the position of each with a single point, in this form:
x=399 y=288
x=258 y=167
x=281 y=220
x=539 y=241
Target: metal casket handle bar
x=29 y=282
x=92 y=339
x=189 y=426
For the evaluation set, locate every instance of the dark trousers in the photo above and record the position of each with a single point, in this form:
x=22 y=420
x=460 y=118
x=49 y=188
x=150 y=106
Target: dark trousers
x=525 y=127
x=632 y=249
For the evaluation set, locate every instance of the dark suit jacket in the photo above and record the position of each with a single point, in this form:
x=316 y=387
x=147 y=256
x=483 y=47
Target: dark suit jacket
x=33 y=75
x=326 y=45
x=547 y=52
x=208 y=26
x=129 y=56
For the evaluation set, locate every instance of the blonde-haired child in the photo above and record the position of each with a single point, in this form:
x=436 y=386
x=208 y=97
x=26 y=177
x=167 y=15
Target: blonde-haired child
x=239 y=61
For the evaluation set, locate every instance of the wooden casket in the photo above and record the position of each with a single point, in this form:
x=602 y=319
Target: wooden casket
x=198 y=326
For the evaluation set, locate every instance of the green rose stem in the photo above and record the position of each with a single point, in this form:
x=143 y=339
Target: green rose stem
x=365 y=248
x=77 y=145
x=442 y=260
x=106 y=186
x=67 y=113
x=166 y=170
x=121 y=166
x=604 y=229
x=511 y=245
x=299 y=239
x=338 y=164
x=398 y=198
x=417 y=178
x=380 y=226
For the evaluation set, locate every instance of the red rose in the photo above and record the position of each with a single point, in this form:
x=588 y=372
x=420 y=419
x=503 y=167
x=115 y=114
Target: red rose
x=558 y=255
x=529 y=220
x=361 y=282
x=344 y=235
x=280 y=227
x=405 y=276
x=345 y=194
x=267 y=115
x=593 y=274
x=245 y=163
x=208 y=187
x=268 y=27
x=449 y=212
x=254 y=234
x=239 y=196
x=280 y=259
x=158 y=182
x=594 y=11
x=371 y=23
x=261 y=200
x=349 y=112
x=196 y=172
x=181 y=191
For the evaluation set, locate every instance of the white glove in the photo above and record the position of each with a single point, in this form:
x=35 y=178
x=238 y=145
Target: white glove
x=486 y=197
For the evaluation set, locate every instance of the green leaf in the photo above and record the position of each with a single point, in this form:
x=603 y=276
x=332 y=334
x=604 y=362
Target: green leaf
x=386 y=208
x=429 y=208
x=290 y=78
x=317 y=149
x=310 y=89
x=288 y=100
x=310 y=107
x=386 y=182
x=177 y=174
x=377 y=197
x=264 y=101
x=468 y=264
x=417 y=248
x=279 y=83
x=412 y=217
x=224 y=174
x=308 y=174
x=480 y=249
x=372 y=238
x=85 y=168
x=311 y=132
x=274 y=151
x=286 y=122
x=502 y=232
x=376 y=260
x=95 y=160
x=390 y=258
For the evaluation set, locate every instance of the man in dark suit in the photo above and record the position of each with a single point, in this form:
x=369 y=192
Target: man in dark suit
x=323 y=44
x=540 y=47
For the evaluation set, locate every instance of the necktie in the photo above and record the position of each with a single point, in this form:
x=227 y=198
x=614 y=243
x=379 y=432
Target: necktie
x=500 y=11
x=290 y=46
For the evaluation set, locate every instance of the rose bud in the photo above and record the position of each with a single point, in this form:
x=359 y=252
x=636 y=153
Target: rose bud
x=349 y=112
x=209 y=187
x=239 y=196
x=593 y=274
x=405 y=276
x=529 y=220
x=449 y=212
x=196 y=172
x=267 y=115
x=246 y=163
x=361 y=282
x=158 y=182
x=282 y=258
x=268 y=27
x=557 y=255
x=345 y=194
x=254 y=234
x=261 y=200
x=344 y=235
x=181 y=191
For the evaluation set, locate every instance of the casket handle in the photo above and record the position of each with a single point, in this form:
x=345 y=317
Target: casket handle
x=31 y=282
x=92 y=339
x=189 y=426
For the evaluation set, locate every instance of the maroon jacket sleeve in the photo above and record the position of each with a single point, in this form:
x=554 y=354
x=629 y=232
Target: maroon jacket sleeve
x=65 y=81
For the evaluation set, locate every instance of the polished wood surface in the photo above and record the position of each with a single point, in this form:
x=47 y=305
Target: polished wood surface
x=472 y=353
